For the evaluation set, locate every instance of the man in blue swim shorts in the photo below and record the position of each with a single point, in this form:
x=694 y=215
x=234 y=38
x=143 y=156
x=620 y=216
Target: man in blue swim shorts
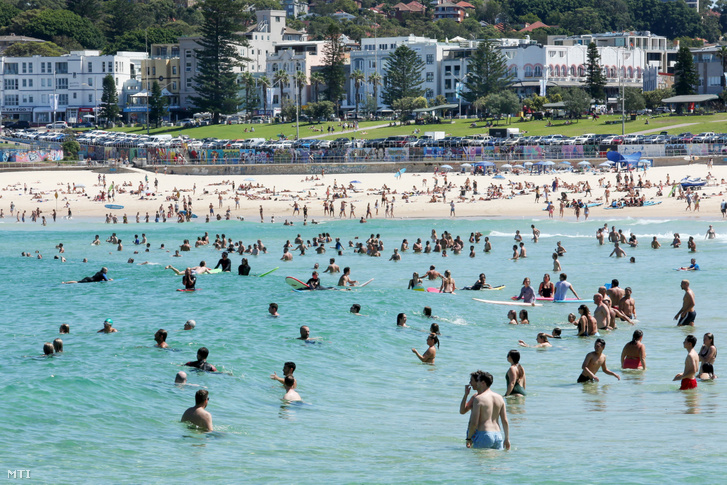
x=487 y=407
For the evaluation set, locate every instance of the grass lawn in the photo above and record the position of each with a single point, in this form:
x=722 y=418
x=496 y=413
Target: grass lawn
x=716 y=123
x=697 y=124
x=234 y=132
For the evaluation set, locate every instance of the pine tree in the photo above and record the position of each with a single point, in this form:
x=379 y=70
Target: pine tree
x=595 y=78
x=402 y=75
x=109 y=100
x=686 y=77
x=333 y=71
x=217 y=57
x=157 y=105
x=488 y=73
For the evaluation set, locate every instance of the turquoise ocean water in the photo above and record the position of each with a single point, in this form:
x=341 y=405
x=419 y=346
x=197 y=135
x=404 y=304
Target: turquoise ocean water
x=107 y=409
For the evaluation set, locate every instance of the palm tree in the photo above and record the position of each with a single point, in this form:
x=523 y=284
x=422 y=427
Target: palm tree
x=722 y=54
x=358 y=78
x=264 y=83
x=375 y=79
x=281 y=77
x=300 y=80
x=247 y=80
x=316 y=80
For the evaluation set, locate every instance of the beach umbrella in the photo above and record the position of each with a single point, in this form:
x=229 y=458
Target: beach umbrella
x=506 y=166
x=528 y=164
x=498 y=177
x=445 y=167
x=564 y=163
x=485 y=163
x=466 y=165
x=355 y=182
x=249 y=179
x=584 y=163
x=547 y=163
x=80 y=186
x=518 y=166
x=605 y=164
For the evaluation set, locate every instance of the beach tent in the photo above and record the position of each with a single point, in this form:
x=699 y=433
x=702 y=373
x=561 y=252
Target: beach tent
x=506 y=166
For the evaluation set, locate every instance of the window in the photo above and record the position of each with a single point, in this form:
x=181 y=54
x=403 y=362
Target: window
x=188 y=83
x=90 y=82
x=103 y=66
x=44 y=99
x=538 y=72
x=430 y=77
x=42 y=67
x=63 y=99
x=174 y=70
x=62 y=83
x=573 y=71
x=25 y=83
x=383 y=47
x=429 y=93
x=447 y=70
x=513 y=71
x=174 y=86
x=90 y=66
x=111 y=65
x=42 y=82
x=581 y=71
x=11 y=68
x=392 y=46
x=154 y=71
x=188 y=67
x=90 y=98
x=447 y=84
x=557 y=71
x=27 y=99
x=11 y=100
x=30 y=68
x=430 y=58
x=713 y=80
x=61 y=68
x=561 y=53
x=188 y=53
x=456 y=71
x=528 y=70
x=75 y=95
x=372 y=64
x=25 y=68
x=11 y=84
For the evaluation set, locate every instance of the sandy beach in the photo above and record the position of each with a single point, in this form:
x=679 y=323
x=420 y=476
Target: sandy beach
x=278 y=193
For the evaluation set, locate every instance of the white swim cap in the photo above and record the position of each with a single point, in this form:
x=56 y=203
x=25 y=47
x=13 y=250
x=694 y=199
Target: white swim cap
x=191 y=323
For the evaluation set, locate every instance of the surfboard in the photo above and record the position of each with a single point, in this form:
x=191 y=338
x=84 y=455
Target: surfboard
x=493 y=288
x=114 y=206
x=567 y=300
x=296 y=283
x=215 y=271
x=188 y=291
x=268 y=272
x=510 y=303
x=419 y=289
x=366 y=283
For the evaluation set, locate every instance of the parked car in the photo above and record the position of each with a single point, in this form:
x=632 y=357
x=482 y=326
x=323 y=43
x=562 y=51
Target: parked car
x=58 y=125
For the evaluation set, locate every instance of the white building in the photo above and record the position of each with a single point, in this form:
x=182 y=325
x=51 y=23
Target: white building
x=268 y=31
x=292 y=57
x=373 y=53
x=65 y=88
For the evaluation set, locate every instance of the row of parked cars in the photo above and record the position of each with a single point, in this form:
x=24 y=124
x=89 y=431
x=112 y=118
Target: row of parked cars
x=122 y=139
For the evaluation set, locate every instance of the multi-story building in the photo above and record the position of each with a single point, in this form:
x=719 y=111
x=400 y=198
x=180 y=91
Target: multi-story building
x=711 y=70
x=292 y=57
x=660 y=53
x=65 y=88
x=268 y=31
x=163 y=67
x=295 y=8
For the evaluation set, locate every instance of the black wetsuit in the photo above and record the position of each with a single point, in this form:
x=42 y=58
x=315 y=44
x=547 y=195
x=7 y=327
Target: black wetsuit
x=202 y=365
x=243 y=270
x=313 y=283
x=189 y=282
x=225 y=263
x=100 y=276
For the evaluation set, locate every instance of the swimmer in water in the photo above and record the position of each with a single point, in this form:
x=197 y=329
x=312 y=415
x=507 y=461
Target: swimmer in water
x=431 y=352
x=595 y=360
x=288 y=370
x=161 y=339
x=189 y=325
x=201 y=362
x=542 y=340
x=633 y=355
x=108 y=327
x=102 y=275
x=415 y=282
x=198 y=414
x=356 y=309
x=273 y=310
x=290 y=393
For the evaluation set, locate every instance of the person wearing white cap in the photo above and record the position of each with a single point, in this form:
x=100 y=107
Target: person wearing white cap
x=189 y=325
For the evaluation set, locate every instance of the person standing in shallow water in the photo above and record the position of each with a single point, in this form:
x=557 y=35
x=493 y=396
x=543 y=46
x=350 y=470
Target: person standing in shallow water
x=198 y=414
x=691 y=364
x=488 y=407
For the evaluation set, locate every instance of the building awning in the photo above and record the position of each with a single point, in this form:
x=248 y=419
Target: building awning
x=436 y=108
x=690 y=98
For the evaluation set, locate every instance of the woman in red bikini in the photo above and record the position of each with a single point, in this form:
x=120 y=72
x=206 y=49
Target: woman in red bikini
x=634 y=353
